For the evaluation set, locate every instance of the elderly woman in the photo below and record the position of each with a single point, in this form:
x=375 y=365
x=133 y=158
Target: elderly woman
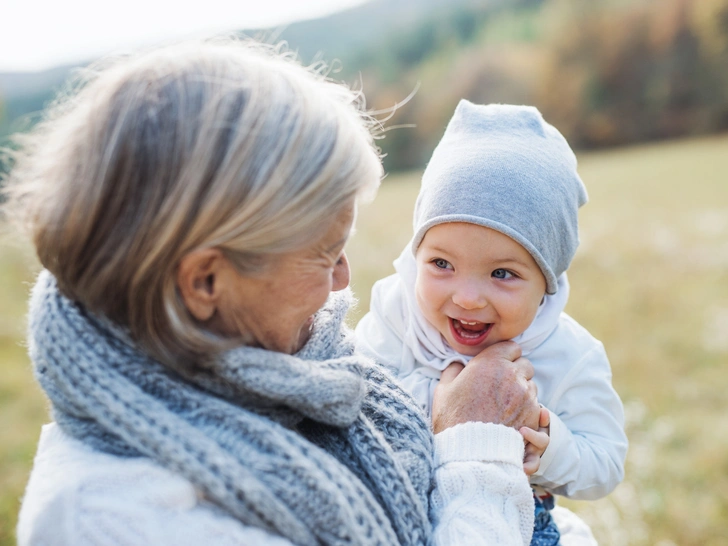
x=190 y=207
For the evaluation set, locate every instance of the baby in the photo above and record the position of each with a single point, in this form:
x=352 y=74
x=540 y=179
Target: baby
x=495 y=228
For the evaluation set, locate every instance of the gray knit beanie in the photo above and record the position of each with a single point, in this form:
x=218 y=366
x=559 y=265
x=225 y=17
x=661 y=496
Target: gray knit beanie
x=505 y=168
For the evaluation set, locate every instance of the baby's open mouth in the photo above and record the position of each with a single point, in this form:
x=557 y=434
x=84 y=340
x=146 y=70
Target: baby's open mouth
x=469 y=333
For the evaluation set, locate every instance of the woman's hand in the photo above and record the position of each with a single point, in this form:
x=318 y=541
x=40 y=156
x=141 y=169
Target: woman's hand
x=495 y=387
x=536 y=442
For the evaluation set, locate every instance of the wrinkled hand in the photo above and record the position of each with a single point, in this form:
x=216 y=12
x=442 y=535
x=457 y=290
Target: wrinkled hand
x=495 y=387
x=536 y=442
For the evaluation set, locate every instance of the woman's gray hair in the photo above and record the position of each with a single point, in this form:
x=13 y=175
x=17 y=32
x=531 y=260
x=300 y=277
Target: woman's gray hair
x=227 y=144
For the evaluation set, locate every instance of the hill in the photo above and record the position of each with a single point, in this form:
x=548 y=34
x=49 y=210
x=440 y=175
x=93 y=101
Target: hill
x=606 y=72
x=341 y=35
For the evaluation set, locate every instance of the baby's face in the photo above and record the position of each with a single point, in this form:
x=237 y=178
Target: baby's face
x=476 y=285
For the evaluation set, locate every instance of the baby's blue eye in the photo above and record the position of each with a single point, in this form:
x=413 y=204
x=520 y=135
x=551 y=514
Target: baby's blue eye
x=442 y=264
x=501 y=274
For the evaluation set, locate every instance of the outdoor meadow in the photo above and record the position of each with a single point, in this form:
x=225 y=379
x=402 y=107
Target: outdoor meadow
x=640 y=89
x=650 y=280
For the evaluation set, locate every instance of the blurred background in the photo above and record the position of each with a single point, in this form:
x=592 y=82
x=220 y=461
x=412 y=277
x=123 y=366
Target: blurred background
x=640 y=90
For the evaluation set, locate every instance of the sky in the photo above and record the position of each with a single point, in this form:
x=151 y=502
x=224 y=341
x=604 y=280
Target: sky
x=40 y=34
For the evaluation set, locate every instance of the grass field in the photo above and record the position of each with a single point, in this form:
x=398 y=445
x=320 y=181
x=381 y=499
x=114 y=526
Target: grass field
x=650 y=280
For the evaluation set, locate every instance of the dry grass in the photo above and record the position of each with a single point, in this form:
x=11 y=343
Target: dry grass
x=22 y=407
x=650 y=280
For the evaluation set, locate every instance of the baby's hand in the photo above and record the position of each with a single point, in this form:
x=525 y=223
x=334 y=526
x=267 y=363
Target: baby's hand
x=536 y=442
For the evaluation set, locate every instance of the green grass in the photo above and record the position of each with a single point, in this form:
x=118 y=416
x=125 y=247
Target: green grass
x=650 y=280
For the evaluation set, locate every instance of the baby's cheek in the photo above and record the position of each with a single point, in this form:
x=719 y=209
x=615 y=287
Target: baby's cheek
x=435 y=297
x=525 y=306
x=422 y=291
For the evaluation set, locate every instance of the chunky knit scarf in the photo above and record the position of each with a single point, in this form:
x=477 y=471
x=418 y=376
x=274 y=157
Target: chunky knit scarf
x=320 y=447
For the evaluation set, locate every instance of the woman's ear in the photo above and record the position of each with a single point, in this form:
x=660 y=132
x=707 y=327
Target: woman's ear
x=199 y=281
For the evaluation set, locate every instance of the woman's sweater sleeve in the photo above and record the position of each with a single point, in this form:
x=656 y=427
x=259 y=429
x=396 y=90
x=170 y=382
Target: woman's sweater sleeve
x=481 y=495
x=98 y=521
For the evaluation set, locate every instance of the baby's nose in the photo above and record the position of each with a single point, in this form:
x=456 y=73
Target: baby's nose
x=470 y=296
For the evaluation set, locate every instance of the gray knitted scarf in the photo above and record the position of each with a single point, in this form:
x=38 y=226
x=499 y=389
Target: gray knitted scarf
x=321 y=447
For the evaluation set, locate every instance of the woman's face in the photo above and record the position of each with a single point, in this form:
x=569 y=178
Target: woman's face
x=274 y=309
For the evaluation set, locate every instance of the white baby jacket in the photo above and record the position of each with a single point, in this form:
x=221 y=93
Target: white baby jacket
x=588 y=446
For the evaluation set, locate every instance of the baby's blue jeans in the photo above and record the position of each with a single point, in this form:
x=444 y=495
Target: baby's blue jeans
x=545 y=532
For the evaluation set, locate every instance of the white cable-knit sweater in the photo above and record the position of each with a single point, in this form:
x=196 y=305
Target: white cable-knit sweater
x=82 y=497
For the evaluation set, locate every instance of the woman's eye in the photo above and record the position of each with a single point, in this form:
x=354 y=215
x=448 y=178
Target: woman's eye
x=501 y=274
x=440 y=263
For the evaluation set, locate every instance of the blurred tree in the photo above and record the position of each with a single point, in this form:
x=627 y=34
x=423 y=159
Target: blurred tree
x=473 y=51
x=637 y=73
x=605 y=72
x=709 y=19
x=4 y=168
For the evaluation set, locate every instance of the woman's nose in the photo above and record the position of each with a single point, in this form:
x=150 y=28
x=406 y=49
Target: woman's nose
x=342 y=274
x=470 y=296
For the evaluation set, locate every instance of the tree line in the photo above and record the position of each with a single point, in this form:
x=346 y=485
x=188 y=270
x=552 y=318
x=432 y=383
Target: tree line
x=604 y=72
